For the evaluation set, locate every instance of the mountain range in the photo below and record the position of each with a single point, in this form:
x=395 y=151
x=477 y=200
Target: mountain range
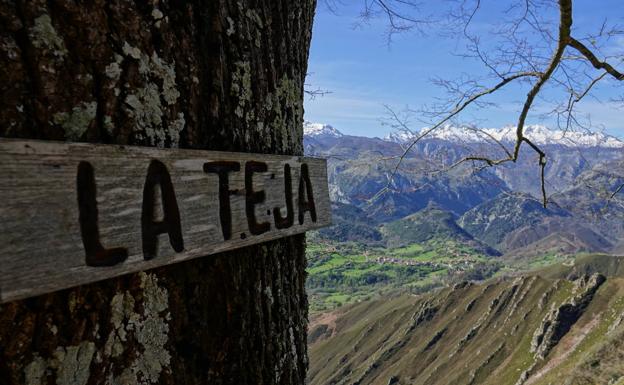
x=538 y=134
x=498 y=208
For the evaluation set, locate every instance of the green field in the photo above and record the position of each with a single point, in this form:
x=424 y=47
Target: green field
x=341 y=273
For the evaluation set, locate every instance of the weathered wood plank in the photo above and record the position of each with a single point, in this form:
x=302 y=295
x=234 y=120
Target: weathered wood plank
x=73 y=213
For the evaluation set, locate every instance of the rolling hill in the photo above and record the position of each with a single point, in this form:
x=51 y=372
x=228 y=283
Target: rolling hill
x=431 y=223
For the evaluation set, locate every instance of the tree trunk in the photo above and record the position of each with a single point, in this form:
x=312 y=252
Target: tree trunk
x=218 y=75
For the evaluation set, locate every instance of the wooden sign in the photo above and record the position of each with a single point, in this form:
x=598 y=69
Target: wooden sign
x=74 y=213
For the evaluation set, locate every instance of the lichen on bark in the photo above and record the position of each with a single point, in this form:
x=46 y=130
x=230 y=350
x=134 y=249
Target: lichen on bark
x=76 y=122
x=69 y=366
x=44 y=35
x=148 y=328
x=147 y=104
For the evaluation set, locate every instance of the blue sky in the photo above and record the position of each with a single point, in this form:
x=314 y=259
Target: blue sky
x=354 y=61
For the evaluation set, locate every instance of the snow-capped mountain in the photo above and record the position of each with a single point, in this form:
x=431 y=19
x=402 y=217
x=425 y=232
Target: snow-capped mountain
x=320 y=129
x=538 y=134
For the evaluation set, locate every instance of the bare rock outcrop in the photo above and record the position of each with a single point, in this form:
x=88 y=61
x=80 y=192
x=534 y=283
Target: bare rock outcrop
x=560 y=319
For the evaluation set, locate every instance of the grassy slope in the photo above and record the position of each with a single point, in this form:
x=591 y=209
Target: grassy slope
x=385 y=340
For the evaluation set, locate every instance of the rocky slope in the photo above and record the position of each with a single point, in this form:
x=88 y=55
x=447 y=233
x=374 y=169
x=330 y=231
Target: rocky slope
x=561 y=326
x=493 y=220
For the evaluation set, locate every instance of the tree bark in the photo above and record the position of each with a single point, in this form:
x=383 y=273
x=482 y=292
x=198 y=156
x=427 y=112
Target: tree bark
x=218 y=75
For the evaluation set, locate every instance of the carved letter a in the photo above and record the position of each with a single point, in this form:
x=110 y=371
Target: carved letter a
x=157 y=175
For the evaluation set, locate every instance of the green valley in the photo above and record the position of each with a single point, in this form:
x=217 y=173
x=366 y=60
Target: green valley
x=340 y=273
x=464 y=277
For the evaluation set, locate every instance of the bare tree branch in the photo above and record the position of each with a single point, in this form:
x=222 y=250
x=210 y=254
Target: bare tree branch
x=459 y=108
x=597 y=63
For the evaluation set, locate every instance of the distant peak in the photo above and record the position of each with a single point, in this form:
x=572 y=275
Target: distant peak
x=538 y=134
x=320 y=129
